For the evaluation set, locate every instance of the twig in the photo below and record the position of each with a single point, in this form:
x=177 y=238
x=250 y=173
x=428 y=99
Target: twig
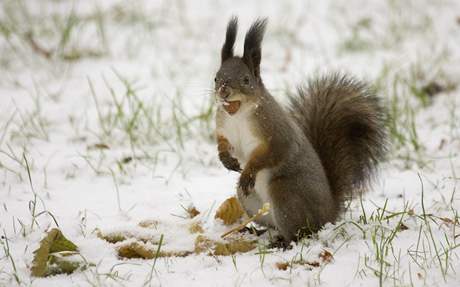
x=261 y=212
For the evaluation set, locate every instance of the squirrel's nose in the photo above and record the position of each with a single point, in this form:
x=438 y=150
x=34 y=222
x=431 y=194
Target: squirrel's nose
x=224 y=91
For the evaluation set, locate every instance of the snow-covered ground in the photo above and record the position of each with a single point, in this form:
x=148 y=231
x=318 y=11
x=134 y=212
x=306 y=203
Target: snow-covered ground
x=109 y=104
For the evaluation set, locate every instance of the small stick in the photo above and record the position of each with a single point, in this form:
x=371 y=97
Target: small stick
x=261 y=212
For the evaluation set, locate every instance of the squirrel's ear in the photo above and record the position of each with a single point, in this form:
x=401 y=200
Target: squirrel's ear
x=227 y=48
x=253 y=45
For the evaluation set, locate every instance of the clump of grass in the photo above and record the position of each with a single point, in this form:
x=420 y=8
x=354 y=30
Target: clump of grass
x=50 y=35
x=128 y=119
x=433 y=251
x=408 y=91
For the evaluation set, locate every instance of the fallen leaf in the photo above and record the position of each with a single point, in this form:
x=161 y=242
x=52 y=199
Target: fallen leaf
x=138 y=249
x=313 y=264
x=110 y=237
x=192 y=211
x=49 y=257
x=149 y=223
x=237 y=246
x=99 y=146
x=196 y=227
x=282 y=265
x=402 y=227
x=229 y=211
x=223 y=248
x=326 y=256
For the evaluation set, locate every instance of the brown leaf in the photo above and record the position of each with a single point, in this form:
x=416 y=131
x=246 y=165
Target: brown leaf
x=149 y=223
x=138 y=249
x=326 y=256
x=314 y=263
x=282 y=265
x=402 y=227
x=99 y=146
x=237 y=246
x=192 y=211
x=110 y=237
x=229 y=211
x=196 y=227
x=219 y=248
x=202 y=244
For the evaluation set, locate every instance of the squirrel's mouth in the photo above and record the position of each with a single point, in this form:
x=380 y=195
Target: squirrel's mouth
x=231 y=107
x=230 y=98
x=231 y=103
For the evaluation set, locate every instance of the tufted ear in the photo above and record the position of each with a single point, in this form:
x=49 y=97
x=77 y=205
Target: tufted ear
x=253 y=46
x=227 y=48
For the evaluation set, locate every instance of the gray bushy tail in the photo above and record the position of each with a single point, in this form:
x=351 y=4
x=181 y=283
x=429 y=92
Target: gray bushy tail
x=345 y=122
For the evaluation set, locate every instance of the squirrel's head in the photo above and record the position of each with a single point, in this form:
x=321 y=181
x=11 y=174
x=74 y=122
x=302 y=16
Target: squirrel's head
x=238 y=78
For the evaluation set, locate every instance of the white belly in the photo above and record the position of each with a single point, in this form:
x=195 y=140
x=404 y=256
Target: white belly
x=237 y=130
x=239 y=133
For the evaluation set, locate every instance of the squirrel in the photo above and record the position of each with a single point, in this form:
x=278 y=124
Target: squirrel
x=305 y=159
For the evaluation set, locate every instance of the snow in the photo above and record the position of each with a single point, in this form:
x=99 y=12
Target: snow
x=168 y=52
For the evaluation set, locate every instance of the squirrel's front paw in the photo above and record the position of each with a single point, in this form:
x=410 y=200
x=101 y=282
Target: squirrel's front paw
x=229 y=162
x=247 y=182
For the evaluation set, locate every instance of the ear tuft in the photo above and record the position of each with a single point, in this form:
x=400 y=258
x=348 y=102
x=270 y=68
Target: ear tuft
x=253 y=45
x=230 y=37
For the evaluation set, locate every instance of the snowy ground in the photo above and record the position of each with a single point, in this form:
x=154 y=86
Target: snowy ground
x=110 y=103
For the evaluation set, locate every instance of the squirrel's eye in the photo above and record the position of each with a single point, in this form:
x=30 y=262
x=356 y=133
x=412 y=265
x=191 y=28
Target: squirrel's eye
x=215 y=80
x=246 y=80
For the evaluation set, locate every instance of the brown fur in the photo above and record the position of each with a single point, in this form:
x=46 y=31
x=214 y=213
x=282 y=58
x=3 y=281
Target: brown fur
x=224 y=149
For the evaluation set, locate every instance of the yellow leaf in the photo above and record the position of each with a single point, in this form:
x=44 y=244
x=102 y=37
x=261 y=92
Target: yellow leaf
x=230 y=211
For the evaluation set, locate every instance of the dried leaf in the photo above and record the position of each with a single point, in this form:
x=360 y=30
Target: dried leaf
x=196 y=227
x=237 y=246
x=113 y=237
x=313 y=264
x=60 y=263
x=285 y=265
x=202 y=244
x=138 y=249
x=282 y=265
x=99 y=146
x=218 y=248
x=119 y=236
x=149 y=223
x=192 y=211
x=402 y=227
x=53 y=242
x=230 y=211
x=326 y=256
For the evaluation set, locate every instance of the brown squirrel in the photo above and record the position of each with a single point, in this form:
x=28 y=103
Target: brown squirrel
x=304 y=160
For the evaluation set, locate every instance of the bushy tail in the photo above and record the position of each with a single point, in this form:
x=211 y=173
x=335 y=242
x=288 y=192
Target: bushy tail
x=345 y=122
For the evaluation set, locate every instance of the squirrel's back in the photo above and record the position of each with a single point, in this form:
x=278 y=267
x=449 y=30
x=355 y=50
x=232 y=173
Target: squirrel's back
x=345 y=122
